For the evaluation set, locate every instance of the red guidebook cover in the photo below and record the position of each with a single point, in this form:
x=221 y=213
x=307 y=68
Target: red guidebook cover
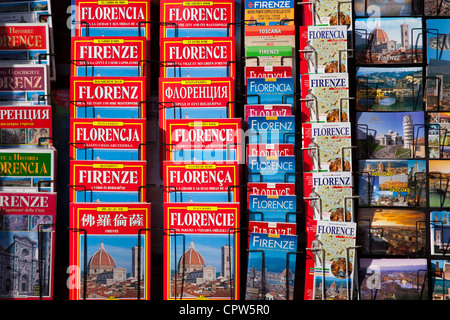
x=270 y=189
x=267 y=110
x=126 y=136
x=208 y=181
x=28 y=221
x=115 y=240
x=268 y=72
x=196 y=57
x=107 y=181
x=107 y=92
x=217 y=14
x=26 y=125
x=202 y=251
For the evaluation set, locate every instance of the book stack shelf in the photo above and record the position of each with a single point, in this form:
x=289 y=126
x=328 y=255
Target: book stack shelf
x=270 y=90
x=28 y=193
x=200 y=153
x=109 y=85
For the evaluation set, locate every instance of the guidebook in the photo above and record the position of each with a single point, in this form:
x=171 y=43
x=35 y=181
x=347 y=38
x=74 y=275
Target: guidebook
x=271 y=208
x=115 y=240
x=270 y=91
x=280 y=228
x=267 y=110
x=267 y=130
x=201 y=181
x=269 y=12
x=327 y=12
x=270 y=189
x=266 y=56
x=26 y=126
x=108 y=139
x=202 y=251
x=271 y=267
x=107 y=181
x=271 y=169
x=325 y=97
x=274 y=35
x=330 y=261
x=267 y=71
x=108 y=97
x=392 y=183
x=328 y=196
x=28 y=225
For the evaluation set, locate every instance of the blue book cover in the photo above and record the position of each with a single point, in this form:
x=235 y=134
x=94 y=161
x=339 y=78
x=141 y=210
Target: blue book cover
x=270 y=91
x=266 y=130
x=272 y=208
x=271 y=169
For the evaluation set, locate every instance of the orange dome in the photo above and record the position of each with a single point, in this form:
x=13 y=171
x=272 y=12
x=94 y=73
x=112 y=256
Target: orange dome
x=191 y=260
x=101 y=260
x=378 y=36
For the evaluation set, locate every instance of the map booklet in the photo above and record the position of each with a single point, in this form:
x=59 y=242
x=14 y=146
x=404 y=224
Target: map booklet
x=115 y=239
x=330 y=262
x=201 y=251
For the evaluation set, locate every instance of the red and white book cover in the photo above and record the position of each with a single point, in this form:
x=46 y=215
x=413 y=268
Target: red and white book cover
x=108 y=56
x=210 y=139
x=28 y=226
x=270 y=189
x=201 y=181
x=107 y=138
x=23 y=126
x=107 y=181
x=107 y=92
x=267 y=110
x=198 y=57
x=116 y=238
x=268 y=72
x=270 y=150
x=327 y=147
x=192 y=15
x=272 y=227
x=210 y=233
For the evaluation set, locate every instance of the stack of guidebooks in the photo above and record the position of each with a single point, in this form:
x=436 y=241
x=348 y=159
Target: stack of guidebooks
x=108 y=168
x=270 y=123
x=201 y=150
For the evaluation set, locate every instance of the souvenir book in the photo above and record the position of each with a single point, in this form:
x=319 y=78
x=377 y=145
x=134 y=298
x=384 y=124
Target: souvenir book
x=112 y=56
x=270 y=189
x=209 y=181
x=327 y=147
x=27 y=170
x=392 y=231
x=270 y=91
x=392 y=40
x=325 y=97
x=272 y=208
x=271 y=169
x=187 y=98
x=204 y=140
x=108 y=139
x=270 y=150
x=393 y=279
x=438 y=143
x=197 y=18
x=439 y=233
x=108 y=97
x=386 y=89
x=26 y=126
x=266 y=56
x=280 y=228
x=107 y=181
x=27 y=222
x=24 y=84
x=437 y=42
x=440 y=277
x=390 y=135
x=267 y=110
x=269 y=12
x=330 y=260
x=392 y=183
x=267 y=130
x=271 y=266
x=439 y=174
x=328 y=196
x=323 y=49
x=437 y=88
x=115 y=240
x=201 y=251
x=327 y=13
x=366 y=8
x=198 y=57
x=93 y=18
x=274 y=35
x=267 y=71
